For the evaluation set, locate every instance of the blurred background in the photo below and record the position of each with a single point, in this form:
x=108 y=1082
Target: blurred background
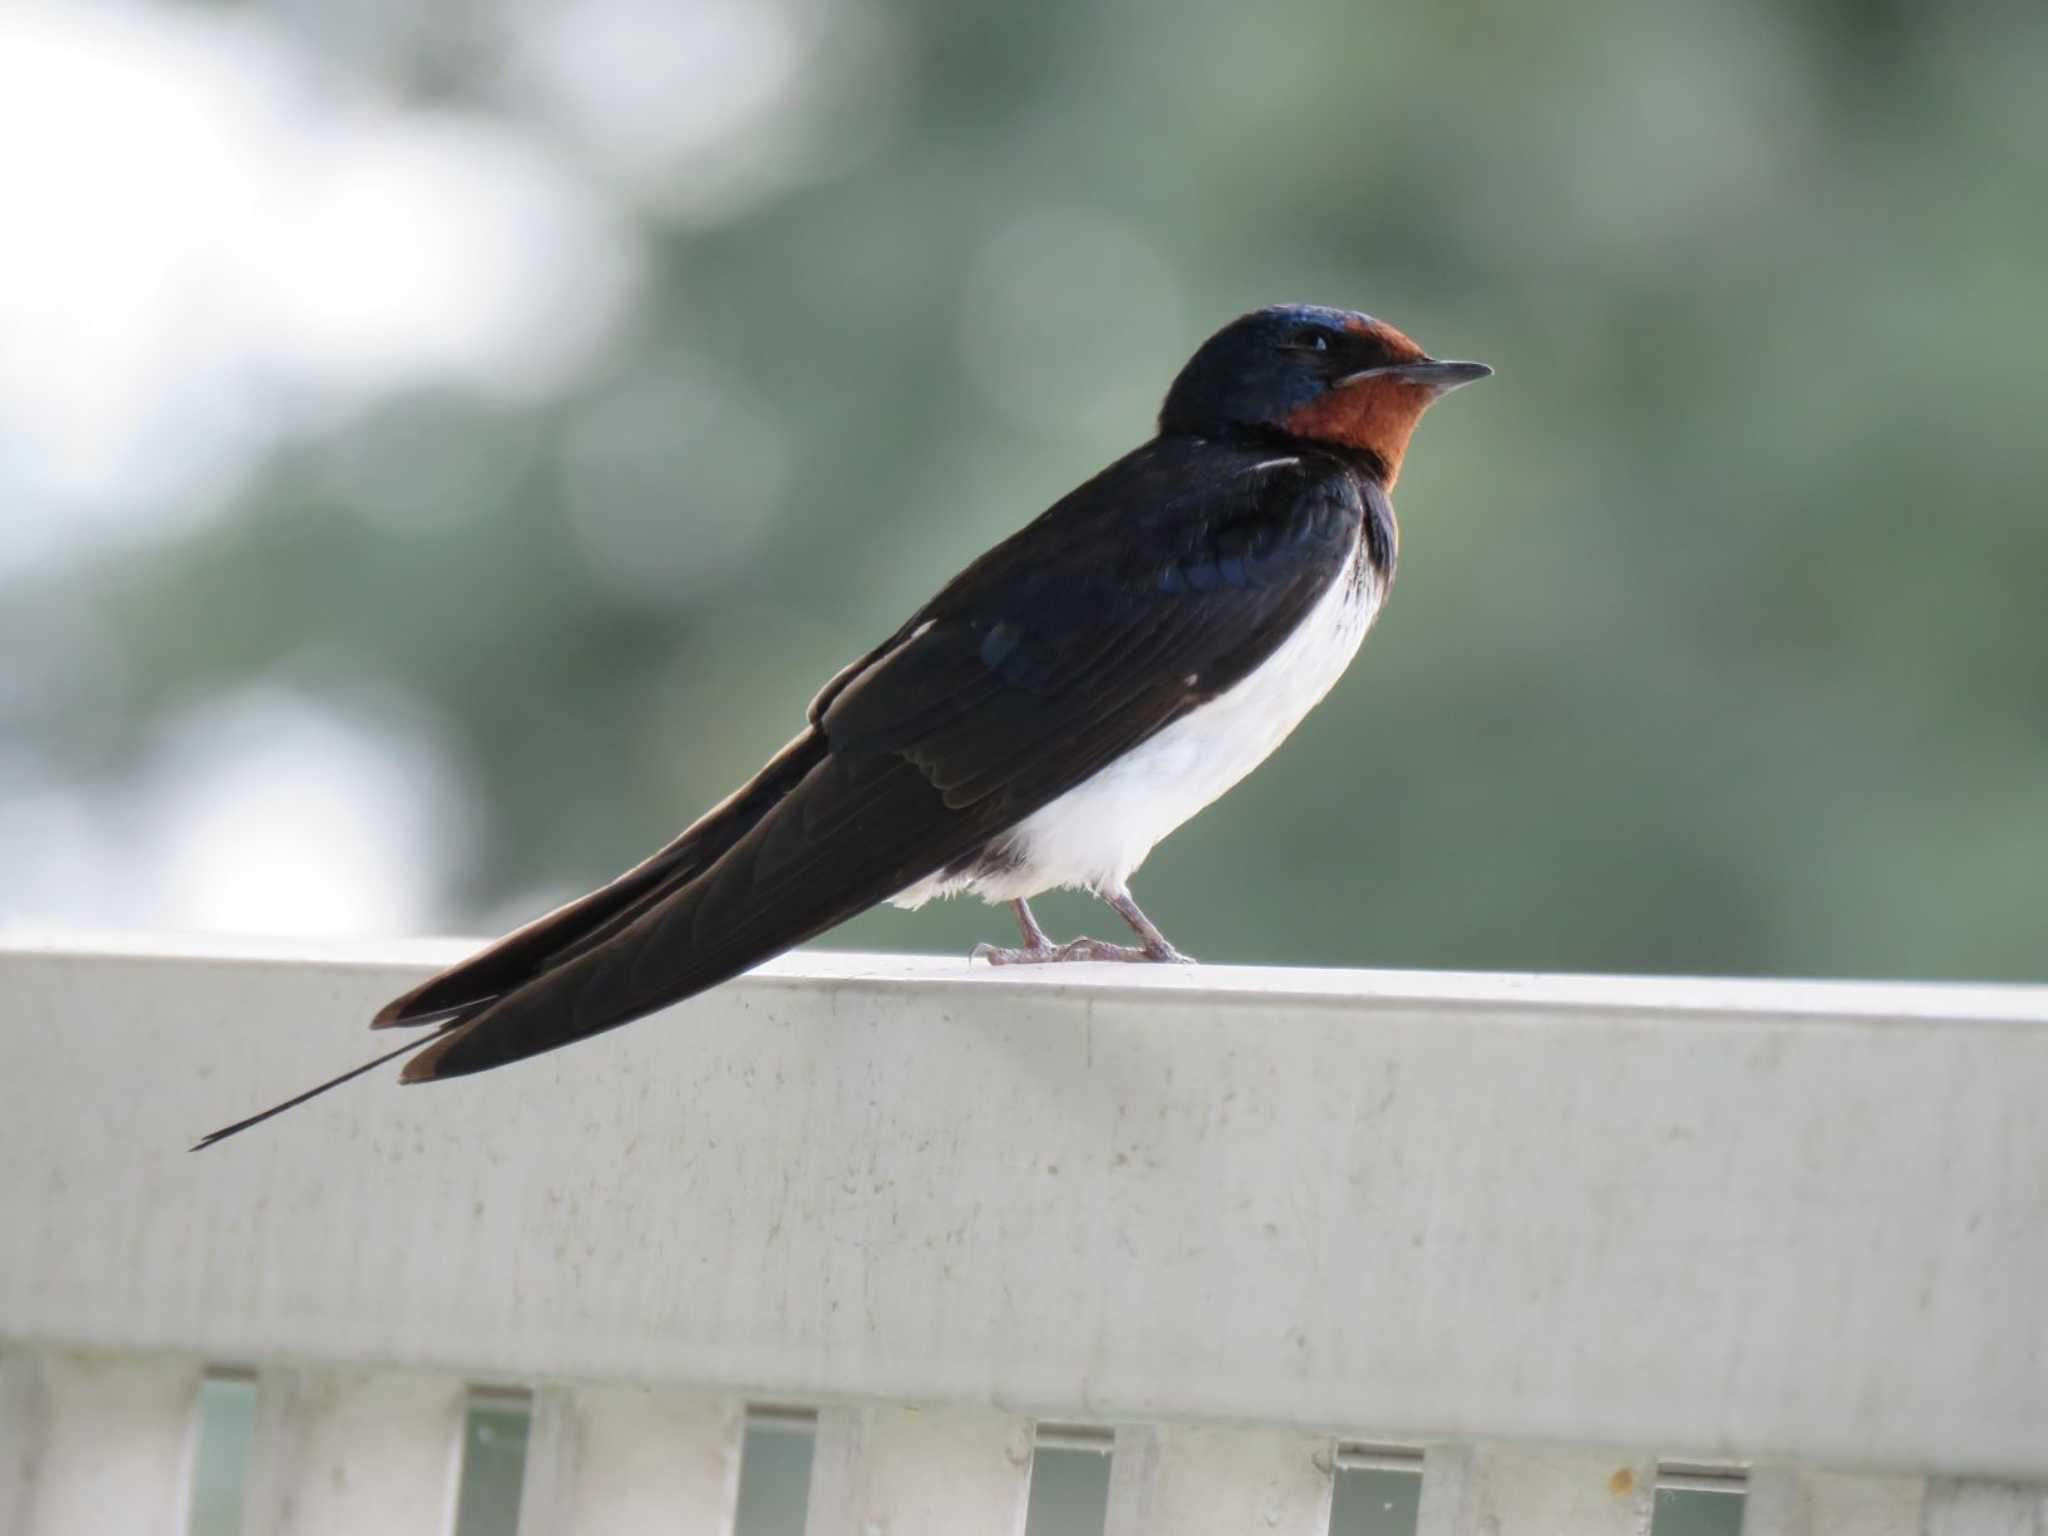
x=443 y=447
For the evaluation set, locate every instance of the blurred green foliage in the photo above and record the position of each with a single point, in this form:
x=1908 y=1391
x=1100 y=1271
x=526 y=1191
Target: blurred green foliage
x=1719 y=641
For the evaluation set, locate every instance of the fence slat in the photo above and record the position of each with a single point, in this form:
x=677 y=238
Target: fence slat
x=1968 y=1507
x=915 y=1473
x=1198 y=1481
x=342 y=1452
x=1495 y=1490
x=1788 y=1501
x=93 y=1443
x=616 y=1461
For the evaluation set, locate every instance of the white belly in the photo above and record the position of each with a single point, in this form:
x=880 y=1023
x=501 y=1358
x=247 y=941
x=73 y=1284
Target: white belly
x=1097 y=833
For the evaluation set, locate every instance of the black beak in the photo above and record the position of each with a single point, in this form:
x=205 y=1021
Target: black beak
x=1440 y=376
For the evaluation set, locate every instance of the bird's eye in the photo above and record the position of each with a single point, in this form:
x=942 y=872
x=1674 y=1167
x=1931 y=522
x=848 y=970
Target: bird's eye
x=1313 y=339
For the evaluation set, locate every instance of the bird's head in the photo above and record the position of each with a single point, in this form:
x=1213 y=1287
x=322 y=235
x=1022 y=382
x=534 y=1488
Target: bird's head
x=1328 y=375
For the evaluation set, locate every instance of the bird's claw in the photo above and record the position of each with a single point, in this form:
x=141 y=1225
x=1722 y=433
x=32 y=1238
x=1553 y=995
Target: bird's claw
x=1080 y=949
x=995 y=954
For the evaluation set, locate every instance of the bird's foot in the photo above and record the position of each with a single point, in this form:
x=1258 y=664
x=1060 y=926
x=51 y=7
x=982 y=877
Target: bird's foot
x=995 y=954
x=1081 y=949
x=1161 y=953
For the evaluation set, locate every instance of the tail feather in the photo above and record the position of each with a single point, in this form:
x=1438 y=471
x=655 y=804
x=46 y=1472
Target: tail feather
x=313 y=1093
x=524 y=960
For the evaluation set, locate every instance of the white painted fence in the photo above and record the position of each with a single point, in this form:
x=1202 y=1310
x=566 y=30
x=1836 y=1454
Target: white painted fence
x=1553 y=1231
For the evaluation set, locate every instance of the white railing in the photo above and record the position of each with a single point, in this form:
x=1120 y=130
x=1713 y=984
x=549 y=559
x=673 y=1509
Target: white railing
x=1553 y=1232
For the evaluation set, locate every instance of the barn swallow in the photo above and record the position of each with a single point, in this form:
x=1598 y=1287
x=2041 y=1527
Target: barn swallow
x=1062 y=705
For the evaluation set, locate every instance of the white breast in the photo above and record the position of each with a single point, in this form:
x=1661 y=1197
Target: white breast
x=1097 y=833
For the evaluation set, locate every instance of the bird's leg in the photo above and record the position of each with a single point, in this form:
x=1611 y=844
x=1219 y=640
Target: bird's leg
x=1040 y=950
x=1156 y=947
x=1037 y=947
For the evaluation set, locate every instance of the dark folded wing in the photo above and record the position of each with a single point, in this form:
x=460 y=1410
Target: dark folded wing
x=569 y=930
x=580 y=925
x=1155 y=587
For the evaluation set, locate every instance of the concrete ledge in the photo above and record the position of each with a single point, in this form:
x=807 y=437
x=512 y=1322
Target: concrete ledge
x=1788 y=1221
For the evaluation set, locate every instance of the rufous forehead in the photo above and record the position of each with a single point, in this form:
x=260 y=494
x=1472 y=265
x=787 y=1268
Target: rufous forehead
x=1397 y=345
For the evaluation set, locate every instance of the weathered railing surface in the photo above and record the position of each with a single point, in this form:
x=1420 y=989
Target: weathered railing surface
x=1552 y=1230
